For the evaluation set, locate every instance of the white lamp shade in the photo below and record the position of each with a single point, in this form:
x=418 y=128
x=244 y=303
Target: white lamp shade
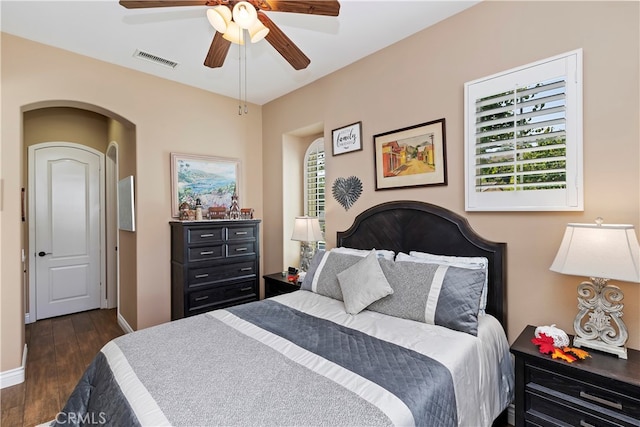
x=306 y=229
x=244 y=14
x=219 y=18
x=258 y=31
x=234 y=33
x=608 y=251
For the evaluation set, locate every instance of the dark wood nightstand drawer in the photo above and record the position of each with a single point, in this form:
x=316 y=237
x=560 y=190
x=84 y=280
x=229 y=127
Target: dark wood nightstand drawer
x=584 y=393
x=205 y=235
x=220 y=273
x=206 y=253
x=549 y=411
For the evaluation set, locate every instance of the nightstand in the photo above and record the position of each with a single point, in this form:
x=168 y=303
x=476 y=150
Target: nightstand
x=602 y=390
x=277 y=284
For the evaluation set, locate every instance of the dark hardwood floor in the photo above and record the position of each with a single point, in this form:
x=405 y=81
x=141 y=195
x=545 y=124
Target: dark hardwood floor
x=58 y=351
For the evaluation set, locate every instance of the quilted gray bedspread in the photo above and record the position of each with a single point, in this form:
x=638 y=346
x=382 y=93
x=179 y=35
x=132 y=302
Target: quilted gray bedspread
x=206 y=370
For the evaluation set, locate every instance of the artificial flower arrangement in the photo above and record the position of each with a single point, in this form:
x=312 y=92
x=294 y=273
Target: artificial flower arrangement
x=554 y=341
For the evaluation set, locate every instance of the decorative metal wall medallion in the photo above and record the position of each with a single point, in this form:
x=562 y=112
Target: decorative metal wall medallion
x=347 y=190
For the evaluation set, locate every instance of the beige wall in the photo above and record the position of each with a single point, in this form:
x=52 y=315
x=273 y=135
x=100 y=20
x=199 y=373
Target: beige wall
x=422 y=78
x=168 y=117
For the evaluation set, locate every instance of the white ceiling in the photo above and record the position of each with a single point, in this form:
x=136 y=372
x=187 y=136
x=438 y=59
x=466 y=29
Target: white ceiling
x=109 y=32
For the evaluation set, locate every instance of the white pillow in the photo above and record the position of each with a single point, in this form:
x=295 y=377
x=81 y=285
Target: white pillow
x=473 y=263
x=363 y=283
x=381 y=253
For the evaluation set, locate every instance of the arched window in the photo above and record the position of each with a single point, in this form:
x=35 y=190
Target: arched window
x=314 y=183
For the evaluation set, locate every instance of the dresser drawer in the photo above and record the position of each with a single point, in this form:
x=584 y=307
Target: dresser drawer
x=219 y=273
x=237 y=233
x=205 y=253
x=205 y=235
x=222 y=295
x=589 y=395
x=241 y=249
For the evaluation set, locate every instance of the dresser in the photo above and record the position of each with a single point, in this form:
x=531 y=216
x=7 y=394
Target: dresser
x=602 y=390
x=214 y=264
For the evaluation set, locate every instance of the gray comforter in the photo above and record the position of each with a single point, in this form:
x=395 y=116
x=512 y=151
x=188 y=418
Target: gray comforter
x=203 y=371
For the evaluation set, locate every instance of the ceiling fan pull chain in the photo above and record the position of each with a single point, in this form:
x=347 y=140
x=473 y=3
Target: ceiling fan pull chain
x=239 y=75
x=246 y=109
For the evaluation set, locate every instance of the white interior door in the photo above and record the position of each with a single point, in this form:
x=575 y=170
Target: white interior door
x=67 y=201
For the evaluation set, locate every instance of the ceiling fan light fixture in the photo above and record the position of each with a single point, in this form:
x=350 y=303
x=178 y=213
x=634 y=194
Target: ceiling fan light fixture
x=219 y=17
x=234 y=33
x=257 y=31
x=244 y=14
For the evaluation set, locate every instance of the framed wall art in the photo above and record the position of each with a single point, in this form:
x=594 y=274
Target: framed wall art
x=347 y=139
x=411 y=157
x=126 y=204
x=213 y=180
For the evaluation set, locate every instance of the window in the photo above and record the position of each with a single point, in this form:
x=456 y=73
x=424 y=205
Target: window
x=314 y=183
x=523 y=138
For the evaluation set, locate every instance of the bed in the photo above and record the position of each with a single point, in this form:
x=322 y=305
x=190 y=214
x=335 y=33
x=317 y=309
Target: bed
x=305 y=359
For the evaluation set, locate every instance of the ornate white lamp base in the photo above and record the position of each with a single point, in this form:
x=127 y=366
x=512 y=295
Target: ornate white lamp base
x=604 y=330
x=306 y=253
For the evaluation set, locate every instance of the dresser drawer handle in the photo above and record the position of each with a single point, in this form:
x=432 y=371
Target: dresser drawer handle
x=246 y=269
x=241 y=249
x=206 y=253
x=201 y=276
x=583 y=423
x=600 y=400
x=246 y=289
x=202 y=298
x=202 y=236
x=241 y=233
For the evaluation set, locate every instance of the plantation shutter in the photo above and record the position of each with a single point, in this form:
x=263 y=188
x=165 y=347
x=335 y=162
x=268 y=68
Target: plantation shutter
x=523 y=138
x=314 y=174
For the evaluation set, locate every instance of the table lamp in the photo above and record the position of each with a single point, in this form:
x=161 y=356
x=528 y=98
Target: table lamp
x=307 y=230
x=601 y=252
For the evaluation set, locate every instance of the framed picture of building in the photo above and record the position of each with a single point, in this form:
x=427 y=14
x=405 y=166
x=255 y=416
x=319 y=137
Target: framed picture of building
x=411 y=157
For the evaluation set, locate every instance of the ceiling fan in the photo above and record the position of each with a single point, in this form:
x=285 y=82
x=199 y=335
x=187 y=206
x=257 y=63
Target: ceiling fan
x=231 y=17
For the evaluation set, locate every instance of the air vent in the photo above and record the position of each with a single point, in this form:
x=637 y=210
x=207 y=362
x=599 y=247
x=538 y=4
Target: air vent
x=153 y=58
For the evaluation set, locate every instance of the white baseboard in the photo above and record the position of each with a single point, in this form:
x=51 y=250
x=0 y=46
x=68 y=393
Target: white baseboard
x=124 y=325
x=27 y=318
x=14 y=376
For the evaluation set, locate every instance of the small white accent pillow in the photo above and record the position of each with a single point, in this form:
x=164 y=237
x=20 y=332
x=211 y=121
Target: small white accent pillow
x=363 y=283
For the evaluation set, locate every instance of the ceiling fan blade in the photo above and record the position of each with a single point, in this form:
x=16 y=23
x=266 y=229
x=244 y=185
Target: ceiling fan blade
x=283 y=44
x=138 y=4
x=217 y=51
x=313 y=7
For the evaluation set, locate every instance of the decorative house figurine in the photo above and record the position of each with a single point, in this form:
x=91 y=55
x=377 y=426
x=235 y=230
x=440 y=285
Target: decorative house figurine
x=234 y=210
x=217 y=212
x=184 y=211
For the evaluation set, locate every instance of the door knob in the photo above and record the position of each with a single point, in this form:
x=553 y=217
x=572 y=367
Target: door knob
x=43 y=253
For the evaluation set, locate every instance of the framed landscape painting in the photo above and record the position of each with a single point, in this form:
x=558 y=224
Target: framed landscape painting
x=213 y=180
x=411 y=157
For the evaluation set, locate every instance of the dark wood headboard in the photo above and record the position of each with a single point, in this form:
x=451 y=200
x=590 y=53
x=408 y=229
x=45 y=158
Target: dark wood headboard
x=404 y=226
